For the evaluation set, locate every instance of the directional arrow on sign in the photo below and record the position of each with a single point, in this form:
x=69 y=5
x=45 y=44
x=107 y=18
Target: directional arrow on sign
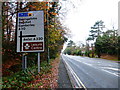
x=24 y=36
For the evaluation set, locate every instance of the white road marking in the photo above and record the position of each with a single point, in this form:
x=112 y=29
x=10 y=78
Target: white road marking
x=115 y=69
x=110 y=72
x=77 y=79
x=84 y=62
x=88 y=64
x=103 y=68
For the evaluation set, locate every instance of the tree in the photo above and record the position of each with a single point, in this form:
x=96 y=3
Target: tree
x=8 y=31
x=87 y=47
x=72 y=49
x=107 y=43
x=97 y=29
x=95 y=32
x=70 y=43
x=54 y=31
x=118 y=51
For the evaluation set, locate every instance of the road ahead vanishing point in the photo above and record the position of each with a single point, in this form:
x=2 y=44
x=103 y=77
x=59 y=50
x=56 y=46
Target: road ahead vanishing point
x=93 y=72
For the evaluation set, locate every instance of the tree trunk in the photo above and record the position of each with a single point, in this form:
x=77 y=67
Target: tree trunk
x=118 y=52
x=99 y=55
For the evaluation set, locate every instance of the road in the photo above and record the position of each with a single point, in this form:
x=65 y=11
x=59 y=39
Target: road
x=93 y=72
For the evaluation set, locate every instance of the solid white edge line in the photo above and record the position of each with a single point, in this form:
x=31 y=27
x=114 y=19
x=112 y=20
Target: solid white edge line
x=74 y=75
x=79 y=82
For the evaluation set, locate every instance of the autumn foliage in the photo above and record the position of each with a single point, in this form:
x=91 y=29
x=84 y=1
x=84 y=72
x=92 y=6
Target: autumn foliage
x=54 y=35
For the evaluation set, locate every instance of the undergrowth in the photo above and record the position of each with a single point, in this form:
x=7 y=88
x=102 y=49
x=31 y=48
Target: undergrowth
x=23 y=78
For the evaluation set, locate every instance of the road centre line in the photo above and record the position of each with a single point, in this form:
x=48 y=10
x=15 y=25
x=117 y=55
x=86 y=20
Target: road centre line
x=84 y=62
x=103 y=69
x=111 y=72
x=110 y=68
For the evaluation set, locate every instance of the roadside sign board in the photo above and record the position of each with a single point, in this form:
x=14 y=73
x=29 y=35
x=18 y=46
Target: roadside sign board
x=30 y=31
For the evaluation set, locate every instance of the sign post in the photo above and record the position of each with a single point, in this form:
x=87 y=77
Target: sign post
x=30 y=32
x=38 y=62
x=25 y=62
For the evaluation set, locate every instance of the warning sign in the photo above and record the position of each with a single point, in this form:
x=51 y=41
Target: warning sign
x=30 y=31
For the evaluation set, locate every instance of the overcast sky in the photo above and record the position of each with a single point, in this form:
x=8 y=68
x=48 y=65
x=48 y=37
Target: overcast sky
x=82 y=14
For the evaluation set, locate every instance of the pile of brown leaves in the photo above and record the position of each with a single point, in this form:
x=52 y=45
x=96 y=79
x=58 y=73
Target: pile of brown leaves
x=109 y=57
x=50 y=79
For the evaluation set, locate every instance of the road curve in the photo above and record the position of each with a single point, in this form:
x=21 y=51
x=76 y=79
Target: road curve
x=93 y=72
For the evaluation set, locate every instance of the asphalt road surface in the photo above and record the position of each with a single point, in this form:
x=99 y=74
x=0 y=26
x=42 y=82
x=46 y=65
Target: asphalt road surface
x=94 y=72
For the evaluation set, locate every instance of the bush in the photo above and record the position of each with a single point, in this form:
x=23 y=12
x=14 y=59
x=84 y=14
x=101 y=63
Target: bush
x=23 y=78
x=18 y=80
x=9 y=51
x=45 y=67
x=15 y=68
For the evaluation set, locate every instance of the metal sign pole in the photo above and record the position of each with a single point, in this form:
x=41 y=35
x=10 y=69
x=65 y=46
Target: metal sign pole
x=38 y=62
x=48 y=35
x=25 y=62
